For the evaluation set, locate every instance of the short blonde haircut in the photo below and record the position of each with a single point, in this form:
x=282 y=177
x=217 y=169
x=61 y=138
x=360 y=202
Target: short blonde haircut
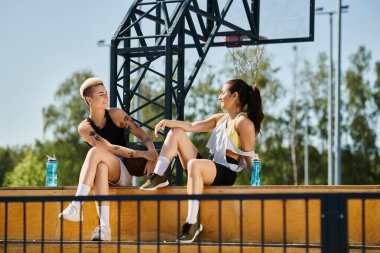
x=90 y=82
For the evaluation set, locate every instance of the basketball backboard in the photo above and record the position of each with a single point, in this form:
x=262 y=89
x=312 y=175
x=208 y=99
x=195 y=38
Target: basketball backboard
x=271 y=21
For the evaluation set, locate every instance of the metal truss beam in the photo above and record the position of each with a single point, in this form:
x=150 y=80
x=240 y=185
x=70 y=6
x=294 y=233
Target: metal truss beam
x=151 y=43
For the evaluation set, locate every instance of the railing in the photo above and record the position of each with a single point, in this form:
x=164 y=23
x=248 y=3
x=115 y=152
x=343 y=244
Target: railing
x=231 y=221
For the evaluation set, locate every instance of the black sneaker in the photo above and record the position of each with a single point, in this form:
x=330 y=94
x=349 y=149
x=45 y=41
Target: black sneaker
x=189 y=232
x=154 y=182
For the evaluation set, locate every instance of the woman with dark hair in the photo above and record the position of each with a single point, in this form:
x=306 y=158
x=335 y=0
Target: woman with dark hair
x=231 y=147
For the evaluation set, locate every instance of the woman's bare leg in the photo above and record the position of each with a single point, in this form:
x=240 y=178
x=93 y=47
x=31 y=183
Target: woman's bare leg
x=94 y=157
x=98 y=168
x=101 y=187
x=177 y=142
x=200 y=172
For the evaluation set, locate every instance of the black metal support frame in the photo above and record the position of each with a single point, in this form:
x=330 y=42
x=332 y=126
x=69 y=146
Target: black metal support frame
x=178 y=25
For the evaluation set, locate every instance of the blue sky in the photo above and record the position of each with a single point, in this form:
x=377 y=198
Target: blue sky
x=43 y=42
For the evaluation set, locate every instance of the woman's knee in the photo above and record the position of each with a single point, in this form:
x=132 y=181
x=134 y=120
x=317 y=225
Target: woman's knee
x=101 y=171
x=102 y=167
x=193 y=168
x=93 y=152
x=176 y=131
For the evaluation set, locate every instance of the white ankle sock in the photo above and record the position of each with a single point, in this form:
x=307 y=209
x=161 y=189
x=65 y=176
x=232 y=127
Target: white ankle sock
x=104 y=215
x=82 y=190
x=161 y=166
x=192 y=212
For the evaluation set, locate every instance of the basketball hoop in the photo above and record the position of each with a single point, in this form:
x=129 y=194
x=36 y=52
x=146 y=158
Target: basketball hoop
x=246 y=62
x=238 y=38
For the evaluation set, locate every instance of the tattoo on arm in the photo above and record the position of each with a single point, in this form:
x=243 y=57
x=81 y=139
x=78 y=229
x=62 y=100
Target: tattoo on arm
x=95 y=135
x=146 y=140
x=129 y=123
x=130 y=154
x=120 y=151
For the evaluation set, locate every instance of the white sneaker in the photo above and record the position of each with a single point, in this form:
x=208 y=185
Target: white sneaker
x=101 y=233
x=71 y=213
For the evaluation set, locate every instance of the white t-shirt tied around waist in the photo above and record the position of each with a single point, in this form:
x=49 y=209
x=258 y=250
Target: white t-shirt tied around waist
x=219 y=142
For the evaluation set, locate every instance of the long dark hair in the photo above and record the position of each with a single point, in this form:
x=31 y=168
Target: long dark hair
x=249 y=96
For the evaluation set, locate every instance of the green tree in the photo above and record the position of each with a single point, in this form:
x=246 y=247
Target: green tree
x=313 y=105
x=9 y=157
x=28 y=172
x=318 y=92
x=360 y=154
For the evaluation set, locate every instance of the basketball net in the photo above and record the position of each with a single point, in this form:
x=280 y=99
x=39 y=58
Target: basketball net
x=246 y=62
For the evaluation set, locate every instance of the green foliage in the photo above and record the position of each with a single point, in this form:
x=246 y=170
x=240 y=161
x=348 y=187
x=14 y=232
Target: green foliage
x=9 y=157
x=317 y=82
x=361 y=154
x=30 y=171
x=361 y=104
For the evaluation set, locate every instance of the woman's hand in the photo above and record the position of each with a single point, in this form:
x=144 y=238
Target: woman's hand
x=160 y=126
x=150 y=155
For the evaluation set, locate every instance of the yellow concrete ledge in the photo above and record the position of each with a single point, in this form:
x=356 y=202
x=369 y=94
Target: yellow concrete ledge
x=274 y=210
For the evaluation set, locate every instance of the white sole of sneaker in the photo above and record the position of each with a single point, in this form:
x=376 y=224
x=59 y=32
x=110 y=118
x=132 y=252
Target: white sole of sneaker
x=195 y=235
x=166 y=183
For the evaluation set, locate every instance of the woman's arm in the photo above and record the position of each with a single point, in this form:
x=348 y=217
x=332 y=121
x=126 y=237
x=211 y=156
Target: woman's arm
x=246 y=131
x=89 y=135
x=125 y=121
x=198 y=126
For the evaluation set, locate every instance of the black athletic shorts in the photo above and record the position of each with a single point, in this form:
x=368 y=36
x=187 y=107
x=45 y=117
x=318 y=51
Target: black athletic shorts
x=224 y=175
x=135 y=166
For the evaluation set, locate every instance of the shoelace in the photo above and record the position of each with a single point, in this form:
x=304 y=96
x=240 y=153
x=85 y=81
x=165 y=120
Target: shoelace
x=151 y=176
x=72 y=210
x=99 y=229
x=185 y=229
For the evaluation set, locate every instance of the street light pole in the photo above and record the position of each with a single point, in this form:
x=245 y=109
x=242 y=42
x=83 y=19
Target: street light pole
x=337 y=162
x=306 y=147
x=330 y=132
x=330 y=167
x=330 y=156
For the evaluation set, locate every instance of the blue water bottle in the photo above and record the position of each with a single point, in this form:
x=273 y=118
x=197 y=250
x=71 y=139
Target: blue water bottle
x=256 y=171
x=51 y=171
